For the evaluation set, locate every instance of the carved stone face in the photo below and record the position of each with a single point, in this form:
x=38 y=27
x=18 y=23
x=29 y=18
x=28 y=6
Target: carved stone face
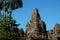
x=34 y=17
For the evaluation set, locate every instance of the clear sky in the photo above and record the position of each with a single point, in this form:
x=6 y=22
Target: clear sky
x=49 y=11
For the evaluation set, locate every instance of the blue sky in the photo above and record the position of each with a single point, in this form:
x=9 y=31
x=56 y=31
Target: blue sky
x=49 y=11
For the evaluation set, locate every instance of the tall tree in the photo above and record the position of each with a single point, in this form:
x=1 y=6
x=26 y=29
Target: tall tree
x=8 y=27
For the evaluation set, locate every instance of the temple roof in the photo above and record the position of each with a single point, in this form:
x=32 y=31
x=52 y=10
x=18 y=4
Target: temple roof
x=35 y=14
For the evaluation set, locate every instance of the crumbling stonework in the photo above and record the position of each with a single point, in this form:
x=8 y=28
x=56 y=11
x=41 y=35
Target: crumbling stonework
x=55 y=33
x=36 y=29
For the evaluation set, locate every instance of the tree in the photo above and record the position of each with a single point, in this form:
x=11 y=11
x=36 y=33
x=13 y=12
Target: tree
x=8 y=27
x=9 y=32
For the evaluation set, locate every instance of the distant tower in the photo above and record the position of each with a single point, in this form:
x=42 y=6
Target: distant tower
x=55 y=33
x=36 y=28
x=35 y=15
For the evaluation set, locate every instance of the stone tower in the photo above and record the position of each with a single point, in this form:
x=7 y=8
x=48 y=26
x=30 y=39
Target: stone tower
x=55 y=33
x=36 y=28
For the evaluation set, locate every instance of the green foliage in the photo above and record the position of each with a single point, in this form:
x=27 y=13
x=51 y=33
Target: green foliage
x=14 y=4
x=8 y=26
x=8 y=29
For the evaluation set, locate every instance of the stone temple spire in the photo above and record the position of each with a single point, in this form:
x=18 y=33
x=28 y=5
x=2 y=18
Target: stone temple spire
x=36 y=27
x=35 y=15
